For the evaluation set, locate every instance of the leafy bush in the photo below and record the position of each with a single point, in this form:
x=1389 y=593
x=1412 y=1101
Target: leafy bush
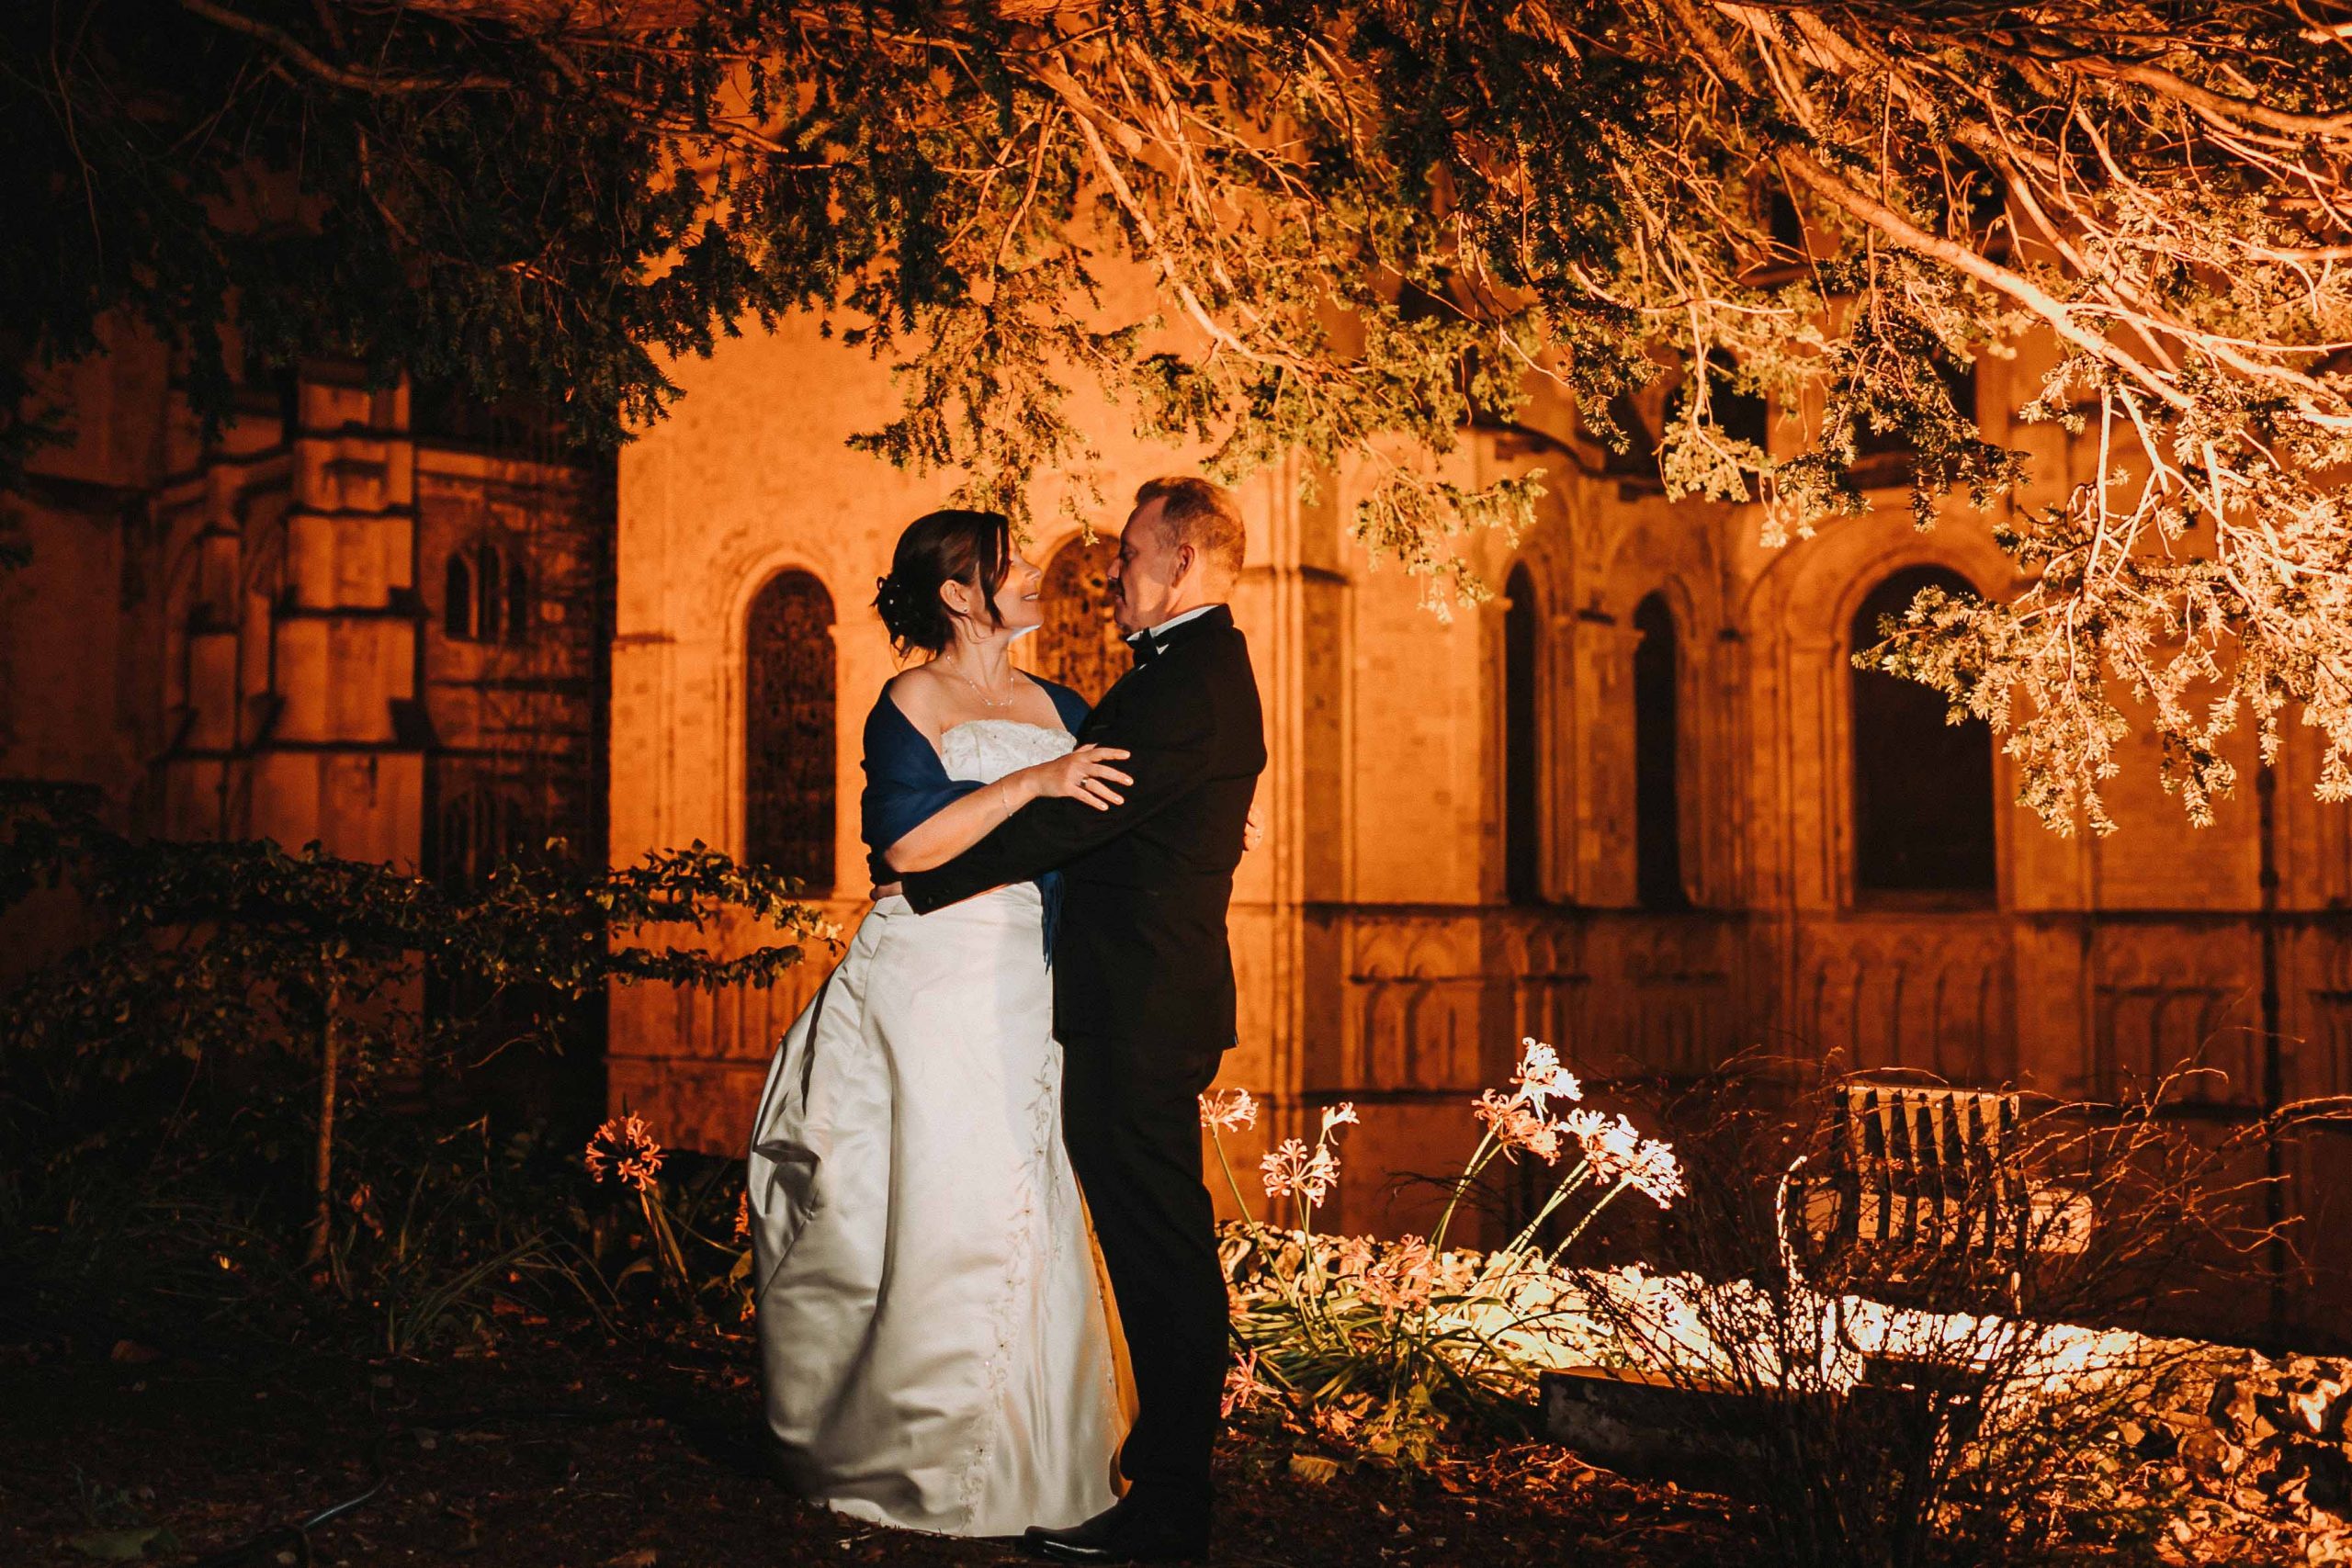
x=214 y=1095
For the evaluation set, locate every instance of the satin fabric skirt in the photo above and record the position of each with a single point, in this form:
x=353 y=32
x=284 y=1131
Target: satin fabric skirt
x=934 y=1329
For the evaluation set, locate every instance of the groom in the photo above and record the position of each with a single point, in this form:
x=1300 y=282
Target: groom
x=1143 y=989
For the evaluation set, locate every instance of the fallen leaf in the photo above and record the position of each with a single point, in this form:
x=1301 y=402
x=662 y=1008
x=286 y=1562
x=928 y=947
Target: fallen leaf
x=1315 y=1468
x=124 y=1546
x=643 y=1557
x=133 y=1353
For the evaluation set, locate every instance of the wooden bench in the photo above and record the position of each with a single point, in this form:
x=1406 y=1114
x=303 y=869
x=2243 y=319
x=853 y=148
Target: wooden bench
x=1920 y=1187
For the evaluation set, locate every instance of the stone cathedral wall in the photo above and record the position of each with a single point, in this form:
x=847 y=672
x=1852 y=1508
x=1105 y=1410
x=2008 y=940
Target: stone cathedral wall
x=1383 y=958
x=253 y=634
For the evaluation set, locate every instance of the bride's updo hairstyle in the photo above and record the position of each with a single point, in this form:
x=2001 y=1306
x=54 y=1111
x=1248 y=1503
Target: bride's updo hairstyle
x=938 y=549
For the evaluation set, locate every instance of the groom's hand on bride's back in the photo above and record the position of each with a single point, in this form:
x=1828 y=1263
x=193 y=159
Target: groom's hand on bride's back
x=886 y=890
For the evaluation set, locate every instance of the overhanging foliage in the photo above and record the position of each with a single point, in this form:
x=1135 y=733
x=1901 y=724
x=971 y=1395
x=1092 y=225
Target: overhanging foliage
x=1365 y=223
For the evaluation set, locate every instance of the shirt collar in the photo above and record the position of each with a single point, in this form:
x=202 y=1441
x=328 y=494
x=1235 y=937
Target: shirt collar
x=1158 y=634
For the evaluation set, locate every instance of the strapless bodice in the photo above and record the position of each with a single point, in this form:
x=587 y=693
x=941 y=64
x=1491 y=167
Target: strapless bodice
x=985 y=750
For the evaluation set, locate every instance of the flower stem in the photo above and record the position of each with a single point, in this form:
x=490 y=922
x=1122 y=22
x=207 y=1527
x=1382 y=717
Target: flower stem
x=1257 y=1231
x=665 y=1243
x=1559 y=1194
x=1478 y=1160
x=1216 y=1142
x=1553 y=1256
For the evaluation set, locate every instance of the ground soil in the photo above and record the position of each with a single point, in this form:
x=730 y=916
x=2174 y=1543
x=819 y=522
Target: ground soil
x=645 y=1455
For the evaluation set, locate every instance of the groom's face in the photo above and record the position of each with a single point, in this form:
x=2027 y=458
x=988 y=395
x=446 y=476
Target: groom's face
x=1149 y=570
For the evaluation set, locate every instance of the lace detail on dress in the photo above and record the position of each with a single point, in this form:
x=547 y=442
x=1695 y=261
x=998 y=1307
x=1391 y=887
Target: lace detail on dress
x=985 y=750
x=1053 y=1161
x=1036 y=1210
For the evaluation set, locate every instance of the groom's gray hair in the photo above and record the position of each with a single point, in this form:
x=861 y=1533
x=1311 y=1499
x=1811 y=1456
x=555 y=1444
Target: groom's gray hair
x=1201 y=514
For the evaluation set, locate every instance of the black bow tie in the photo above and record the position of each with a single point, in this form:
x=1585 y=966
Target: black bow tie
x=1144 y=647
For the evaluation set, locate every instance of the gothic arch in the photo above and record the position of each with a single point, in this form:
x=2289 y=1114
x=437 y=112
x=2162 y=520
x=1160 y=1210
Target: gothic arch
x=1922 y=789
x=485 y=592
x=1658 y=793
x=1525 y=725
x=1078 y=643
x=789 y=729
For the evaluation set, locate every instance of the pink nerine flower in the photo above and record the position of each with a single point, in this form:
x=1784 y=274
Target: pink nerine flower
x=1656 y=1174
x=1295 y=1168
x=1226 y=1110
x=1350 y=1254
x=1619 y=1153
x=623 y=1149
x=1404 y=1277
x=1242 y=1388
x=1516 y=1126
x=1540 y=1077
x=1341 y=1115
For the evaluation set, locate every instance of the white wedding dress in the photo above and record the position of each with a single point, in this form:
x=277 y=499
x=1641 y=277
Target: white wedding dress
x=933 y=1326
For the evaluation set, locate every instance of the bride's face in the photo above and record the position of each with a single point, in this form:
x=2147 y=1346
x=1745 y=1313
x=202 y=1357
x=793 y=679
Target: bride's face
x=1016 y=597
x=1016 y=604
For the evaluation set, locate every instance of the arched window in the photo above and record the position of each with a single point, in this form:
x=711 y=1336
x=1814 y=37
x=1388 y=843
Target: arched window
x=490 y=612
x=458 y=598
x=1658 y=740
x=1080 y=644
x=485 y=597
x=1785 y=223
x=1522 y=741
x=1923 y=788
x=1639 y=459
x=478 y=829
x=1743 y=416
x=518 y=602
x=788 y=730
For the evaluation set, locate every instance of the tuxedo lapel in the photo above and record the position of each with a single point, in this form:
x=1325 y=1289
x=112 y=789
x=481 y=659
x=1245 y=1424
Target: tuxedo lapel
x=1121 y=692
x=1125 y=688
x=1102 y=712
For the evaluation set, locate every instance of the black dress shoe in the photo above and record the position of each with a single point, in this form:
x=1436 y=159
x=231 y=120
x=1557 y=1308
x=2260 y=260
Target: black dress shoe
x=1121 y=1534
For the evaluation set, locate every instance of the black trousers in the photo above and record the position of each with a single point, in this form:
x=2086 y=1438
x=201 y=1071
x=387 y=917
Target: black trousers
x=1131 y=1118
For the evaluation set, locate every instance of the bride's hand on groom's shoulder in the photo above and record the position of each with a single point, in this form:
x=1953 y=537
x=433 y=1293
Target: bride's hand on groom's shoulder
x=1253 y=830
x=1084 y=774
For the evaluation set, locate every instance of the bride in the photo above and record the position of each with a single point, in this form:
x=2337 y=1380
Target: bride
x=934 y=1341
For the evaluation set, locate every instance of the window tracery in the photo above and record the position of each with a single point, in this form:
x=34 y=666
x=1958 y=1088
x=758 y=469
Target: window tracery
x=1078 y=643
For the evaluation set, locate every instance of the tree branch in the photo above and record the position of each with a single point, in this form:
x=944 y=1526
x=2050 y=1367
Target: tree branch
x=326 y=71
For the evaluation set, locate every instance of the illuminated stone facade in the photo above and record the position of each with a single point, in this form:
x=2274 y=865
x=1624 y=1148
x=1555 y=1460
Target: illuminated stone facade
x=1422 y=901
x=1516 y=820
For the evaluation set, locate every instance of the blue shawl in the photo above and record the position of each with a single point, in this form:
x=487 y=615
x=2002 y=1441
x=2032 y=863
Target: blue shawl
x=907 y=784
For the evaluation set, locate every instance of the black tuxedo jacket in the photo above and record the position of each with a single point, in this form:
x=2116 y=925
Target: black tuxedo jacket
x=1141 y=954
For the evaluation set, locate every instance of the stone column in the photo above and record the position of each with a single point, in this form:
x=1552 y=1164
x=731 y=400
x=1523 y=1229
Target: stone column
x=1291 y=606
x=339 y=756
x=295 y=641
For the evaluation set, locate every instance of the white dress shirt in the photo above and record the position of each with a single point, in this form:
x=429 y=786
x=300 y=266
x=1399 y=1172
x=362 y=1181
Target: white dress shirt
x=1158 y=634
